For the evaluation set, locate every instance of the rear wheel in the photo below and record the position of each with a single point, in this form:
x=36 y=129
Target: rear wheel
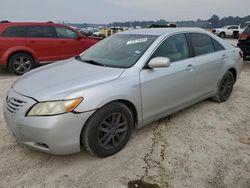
x=21 y=63
x=108 y=130
x=225 y=88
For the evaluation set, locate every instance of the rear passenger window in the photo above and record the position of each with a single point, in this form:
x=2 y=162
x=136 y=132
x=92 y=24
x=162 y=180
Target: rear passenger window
x=175 y=48
x=202 y=44
x=41 y=32
x=15 y=31
x=217 y=46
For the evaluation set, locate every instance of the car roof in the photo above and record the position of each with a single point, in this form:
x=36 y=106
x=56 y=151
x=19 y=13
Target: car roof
x=161 y=31
x=7 y=24
x=231 y=25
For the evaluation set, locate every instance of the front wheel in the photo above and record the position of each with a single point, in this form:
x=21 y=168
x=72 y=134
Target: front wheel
x=222 y=35
x=20 y=63
x=108 y=130
x=225 y=88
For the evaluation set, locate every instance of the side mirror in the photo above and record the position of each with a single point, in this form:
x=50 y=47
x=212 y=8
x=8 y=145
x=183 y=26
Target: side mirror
x=159 y=62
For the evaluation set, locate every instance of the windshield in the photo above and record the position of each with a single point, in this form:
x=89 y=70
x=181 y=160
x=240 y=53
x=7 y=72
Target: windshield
x=121 y=50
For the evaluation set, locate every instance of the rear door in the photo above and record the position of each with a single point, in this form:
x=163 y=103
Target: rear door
x=209 y=61
x=164 y=89
x=43 y=40
x=70 y=43
x=232 y=29
x=12 y=36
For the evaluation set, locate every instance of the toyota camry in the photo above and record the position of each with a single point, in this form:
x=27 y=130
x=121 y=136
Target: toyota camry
x=126 y=81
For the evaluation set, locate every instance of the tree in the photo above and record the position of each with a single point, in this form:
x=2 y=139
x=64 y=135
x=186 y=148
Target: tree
x=214 y=20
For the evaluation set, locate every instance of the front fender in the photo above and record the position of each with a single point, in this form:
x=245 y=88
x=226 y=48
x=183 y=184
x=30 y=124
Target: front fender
x=127 y=87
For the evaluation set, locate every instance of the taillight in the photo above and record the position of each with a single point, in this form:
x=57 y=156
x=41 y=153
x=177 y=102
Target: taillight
x=241 y=54
x=243 y=37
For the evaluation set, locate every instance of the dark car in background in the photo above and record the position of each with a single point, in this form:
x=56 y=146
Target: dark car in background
x=244 y=42
x=25 y=45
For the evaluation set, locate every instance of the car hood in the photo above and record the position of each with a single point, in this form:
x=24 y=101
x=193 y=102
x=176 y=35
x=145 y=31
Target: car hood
x=57 y=80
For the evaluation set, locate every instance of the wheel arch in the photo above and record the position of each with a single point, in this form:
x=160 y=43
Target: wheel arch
x=131 y=107
x=234 y=72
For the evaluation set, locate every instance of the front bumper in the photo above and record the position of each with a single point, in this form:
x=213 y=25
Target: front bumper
x=58 y=135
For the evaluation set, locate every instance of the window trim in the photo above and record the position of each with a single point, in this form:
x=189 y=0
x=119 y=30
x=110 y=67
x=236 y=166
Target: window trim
x=192 y=44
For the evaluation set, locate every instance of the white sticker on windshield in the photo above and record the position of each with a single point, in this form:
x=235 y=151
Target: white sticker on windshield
x=137 y=41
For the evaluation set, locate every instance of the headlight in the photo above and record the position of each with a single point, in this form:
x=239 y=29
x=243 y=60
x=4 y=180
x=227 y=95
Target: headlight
x=54 y=107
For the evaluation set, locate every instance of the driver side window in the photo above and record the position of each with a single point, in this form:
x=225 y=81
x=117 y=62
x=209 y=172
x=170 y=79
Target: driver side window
x=175 y=48
x=63 y=32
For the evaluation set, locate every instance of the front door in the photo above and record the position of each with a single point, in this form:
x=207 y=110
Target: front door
x=70 y=44
x=164 y=89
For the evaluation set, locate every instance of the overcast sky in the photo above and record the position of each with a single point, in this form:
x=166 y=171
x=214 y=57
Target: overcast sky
x=107 y=11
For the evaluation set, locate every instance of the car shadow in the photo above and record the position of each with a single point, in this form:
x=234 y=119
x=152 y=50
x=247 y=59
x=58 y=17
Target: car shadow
x=4 y=71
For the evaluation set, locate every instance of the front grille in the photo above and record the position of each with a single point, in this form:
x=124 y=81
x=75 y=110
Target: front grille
x=214 y=31
x=13 y=104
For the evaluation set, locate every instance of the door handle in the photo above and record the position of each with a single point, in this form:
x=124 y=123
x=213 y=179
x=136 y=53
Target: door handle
x=190 y=67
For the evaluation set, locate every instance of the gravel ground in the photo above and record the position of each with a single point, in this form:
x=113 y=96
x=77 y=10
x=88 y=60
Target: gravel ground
x=206 y=145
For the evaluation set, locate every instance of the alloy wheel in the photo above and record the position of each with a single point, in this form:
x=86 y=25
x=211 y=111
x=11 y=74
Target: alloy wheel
x=112 y=131
x=22 y=64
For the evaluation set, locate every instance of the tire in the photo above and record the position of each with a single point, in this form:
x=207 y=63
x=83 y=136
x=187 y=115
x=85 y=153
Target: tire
x=222 y=35
x=20 y=63
x=104 y=135
x=225 y=88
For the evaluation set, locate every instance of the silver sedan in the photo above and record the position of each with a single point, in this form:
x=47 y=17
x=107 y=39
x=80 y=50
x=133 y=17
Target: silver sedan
x=126 y=81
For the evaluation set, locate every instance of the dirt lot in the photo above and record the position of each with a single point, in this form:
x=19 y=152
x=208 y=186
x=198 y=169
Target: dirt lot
x=206 y=145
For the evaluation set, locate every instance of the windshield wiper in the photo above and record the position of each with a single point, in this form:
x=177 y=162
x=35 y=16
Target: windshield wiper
x=90 y=61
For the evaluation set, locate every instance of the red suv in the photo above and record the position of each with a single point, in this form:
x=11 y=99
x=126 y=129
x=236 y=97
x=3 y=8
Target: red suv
x=25 y=45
